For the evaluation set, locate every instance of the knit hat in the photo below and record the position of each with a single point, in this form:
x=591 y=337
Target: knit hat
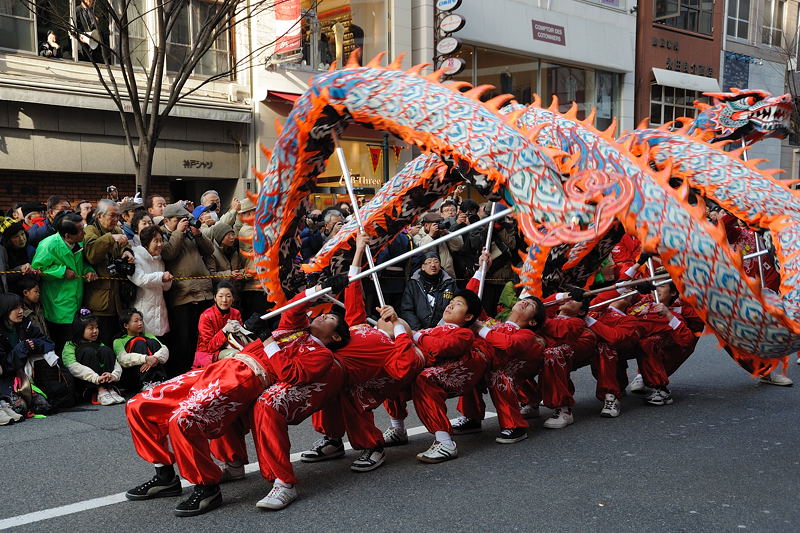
x=431 y=254
x=219 y=230
x=9 y=230
x=5 y=223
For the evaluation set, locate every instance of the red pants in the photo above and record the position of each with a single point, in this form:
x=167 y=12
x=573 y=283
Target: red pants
x=191 y=409
x=554 y=382
x=660 y=358
x=283 y=404
x=605 y=364
x=437 y=383
x=353 y=412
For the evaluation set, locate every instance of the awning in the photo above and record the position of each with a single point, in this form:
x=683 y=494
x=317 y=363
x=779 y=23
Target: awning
x=289 y=98
x=683 y=80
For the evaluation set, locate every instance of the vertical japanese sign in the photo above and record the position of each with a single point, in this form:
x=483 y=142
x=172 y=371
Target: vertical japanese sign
x=287 y=26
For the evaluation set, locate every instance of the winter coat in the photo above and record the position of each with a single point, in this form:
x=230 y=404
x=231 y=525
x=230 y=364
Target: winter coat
x=81 y=371
x=15 y=351
x=36 y=314
x=150 y=291
x=184 y=256
x=61 y=297
x=444 y=250
x=131 y=359
x=504 y=246
x=39 y=233
x=210 y=337
x=103 y=296
x=415 y=307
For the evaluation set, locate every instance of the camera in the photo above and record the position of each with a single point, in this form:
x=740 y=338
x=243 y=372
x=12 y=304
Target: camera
x=121 y=268
x=444 y=224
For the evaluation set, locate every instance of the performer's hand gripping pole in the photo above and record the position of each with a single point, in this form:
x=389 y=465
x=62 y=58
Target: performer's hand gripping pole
x=394 y=260
x=348 y=180
x=488 y=248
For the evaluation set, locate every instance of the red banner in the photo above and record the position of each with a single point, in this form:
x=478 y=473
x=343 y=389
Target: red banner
x=375 y=157
x=287 y=26
x=397 y=149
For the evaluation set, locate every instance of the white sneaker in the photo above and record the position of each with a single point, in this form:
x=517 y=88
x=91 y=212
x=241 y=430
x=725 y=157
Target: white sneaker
x=106 y=398
x=117 y=396
x=529 y=410
x=6 y=408
x=561 y=418
x=659 y=397
x=798 y=360
x=638 y=386
x=610 y=407
x=438 y=453
x=776 y=378
x=394 y=437
x=278 y=498
x=232 y=473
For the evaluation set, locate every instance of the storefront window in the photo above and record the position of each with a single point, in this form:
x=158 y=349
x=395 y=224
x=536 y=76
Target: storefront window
x=332 y=29
x=184 y=33
x=607 y=91
x=467 y=53
x=569 y=84
x=509 y=73
x=670 y=103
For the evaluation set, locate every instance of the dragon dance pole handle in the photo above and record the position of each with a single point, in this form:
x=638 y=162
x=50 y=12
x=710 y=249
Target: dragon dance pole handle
x=488 y=248
x=394 y=260
x=755 y=234
x=348 y=180
x=623 y=296
x=652 y=274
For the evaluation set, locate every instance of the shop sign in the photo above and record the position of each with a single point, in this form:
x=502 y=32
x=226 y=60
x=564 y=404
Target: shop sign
x=549 y=33
x=452 y=66
x=448 y=45
x=452 y=22
x=447 y=5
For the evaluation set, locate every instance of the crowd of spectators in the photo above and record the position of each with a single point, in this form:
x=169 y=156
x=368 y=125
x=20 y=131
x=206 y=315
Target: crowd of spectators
x=100 y=298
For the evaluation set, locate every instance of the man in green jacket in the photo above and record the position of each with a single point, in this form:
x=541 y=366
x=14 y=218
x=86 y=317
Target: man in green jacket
x=60 y=259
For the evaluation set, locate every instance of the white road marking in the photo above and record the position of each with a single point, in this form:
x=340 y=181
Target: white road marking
x=104 y=501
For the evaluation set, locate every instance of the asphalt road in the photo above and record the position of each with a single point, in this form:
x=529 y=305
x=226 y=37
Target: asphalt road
x=723 y=457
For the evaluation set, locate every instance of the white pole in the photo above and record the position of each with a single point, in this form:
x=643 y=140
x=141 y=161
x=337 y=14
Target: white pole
x=652 y=274
x=394 y=260
x=348 y=180
x=488 y=248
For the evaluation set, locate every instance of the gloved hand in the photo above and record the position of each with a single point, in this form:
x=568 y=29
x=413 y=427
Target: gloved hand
x=259 y=327
x=231 y=327
x=337 y=283
x=645 y=288
x=644 y=256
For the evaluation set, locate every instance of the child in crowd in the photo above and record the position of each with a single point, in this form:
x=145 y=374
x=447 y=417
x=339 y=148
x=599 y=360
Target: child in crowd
x=91 y=362
x=140 y=351
x=30 y=292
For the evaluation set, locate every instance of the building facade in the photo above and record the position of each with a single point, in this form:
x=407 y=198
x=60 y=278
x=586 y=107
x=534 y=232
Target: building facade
x=60 y=132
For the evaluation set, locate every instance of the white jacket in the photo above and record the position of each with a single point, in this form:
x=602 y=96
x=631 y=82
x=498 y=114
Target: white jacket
x=150 y=295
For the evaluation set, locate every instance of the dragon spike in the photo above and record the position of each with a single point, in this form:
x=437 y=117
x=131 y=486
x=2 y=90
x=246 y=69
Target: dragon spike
x=278 y=127
x=644 y=124
x=246 y=239
x=609 y=132
x=249 y=219
x=416 y=69
x=753 y=163
x=332 y=67
x=435 y=76
x=247 y=254
x=376 y=62
x=260 y=176
x=537 y=102
x=354 y=60
x=498 y=101
x=476 y=92
x=266 y=151
x=534 y=132
x=457 y=85
x=667 y=126
x=512 y=118
x=572 y=112
x=685 y=123
x=553 y=105
x=253 y=197
x=397 y=61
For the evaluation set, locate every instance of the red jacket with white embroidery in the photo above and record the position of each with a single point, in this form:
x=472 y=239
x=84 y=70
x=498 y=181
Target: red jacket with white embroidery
x=627 y=250
x=652 y=324
x=301 y=359
x=444 y=343
x=512 y=342
x=210 y=337
x=369 y=350
x=615 y=328
x=743 y=239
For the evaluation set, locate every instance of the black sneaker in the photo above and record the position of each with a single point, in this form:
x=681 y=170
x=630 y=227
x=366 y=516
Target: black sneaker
x=156 y=488
x=322 y=450
x=465 y=426
x=368 y=460
x=204 y=498
x=510 y=436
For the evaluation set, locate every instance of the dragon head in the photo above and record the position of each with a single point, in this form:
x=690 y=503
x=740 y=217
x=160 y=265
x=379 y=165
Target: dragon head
x=746 y=114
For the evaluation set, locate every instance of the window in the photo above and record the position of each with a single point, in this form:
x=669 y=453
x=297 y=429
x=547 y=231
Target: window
x=670 y=103
x=772 y=22
x=694 y=15
x=17 y=30
x=138 y=41
x=192 y=19
x=739 y=19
